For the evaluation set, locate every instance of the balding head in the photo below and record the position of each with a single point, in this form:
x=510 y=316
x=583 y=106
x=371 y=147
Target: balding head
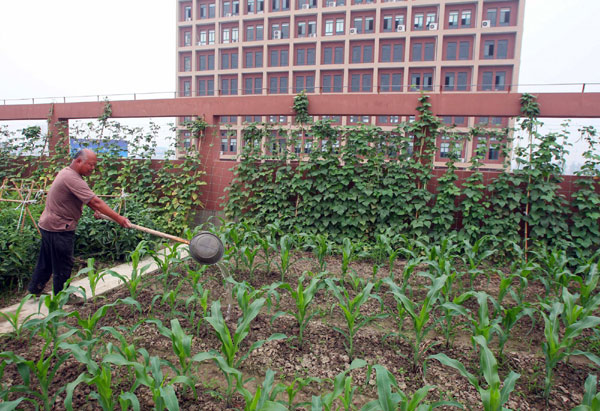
x=84 y=162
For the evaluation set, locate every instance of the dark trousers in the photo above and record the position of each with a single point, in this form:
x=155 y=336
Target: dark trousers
x=56 y=258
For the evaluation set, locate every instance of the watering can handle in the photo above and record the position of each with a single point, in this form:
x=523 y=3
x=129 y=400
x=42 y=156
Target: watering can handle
x=149 y=230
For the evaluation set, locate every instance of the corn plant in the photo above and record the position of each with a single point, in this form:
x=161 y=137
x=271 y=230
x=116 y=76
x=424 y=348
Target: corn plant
x=264 y=397
x=421 y=315
x=292 y=389
x=587 y=277
x=350 y=307
x=197 y=304
x=473 y=256
x=388 y=400
x=342 y=390
x=134 y=282
x=554 y=269
x=321 y=248
x=493 y=397
x=557 y=348
x=181 y=344
x=14 y=318
x=591 y=399
x=149 y=373
x=165 y=259
x=248 y=255
x=348 y=251
x=508 y=319
x=482 y=324
x=286 y=244
x=44 y=369
x=302 y=297
x=229 y=359
x=97 y=375
x=94 y=276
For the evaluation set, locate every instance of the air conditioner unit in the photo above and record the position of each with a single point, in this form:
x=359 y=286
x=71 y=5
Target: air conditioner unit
x=401 y=28
x=432 y=26
x=331 y=4
x=353 y=30
x=305 y=6
x=486 y=24
x=276 y=34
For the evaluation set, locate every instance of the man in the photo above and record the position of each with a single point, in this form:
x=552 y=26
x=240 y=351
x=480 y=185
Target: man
x=64 y=205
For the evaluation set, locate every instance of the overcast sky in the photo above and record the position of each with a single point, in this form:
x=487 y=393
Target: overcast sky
x=55 y=48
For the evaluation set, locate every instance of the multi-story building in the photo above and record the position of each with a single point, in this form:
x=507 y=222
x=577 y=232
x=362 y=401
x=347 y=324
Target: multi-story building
x=273 y=47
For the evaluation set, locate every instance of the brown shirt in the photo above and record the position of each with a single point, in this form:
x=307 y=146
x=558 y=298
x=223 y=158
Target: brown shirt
x=64 y=203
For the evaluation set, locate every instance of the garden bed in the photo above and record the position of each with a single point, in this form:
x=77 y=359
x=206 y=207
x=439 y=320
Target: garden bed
x=322 y=355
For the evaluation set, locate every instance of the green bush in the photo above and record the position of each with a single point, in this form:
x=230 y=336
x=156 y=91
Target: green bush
x=18 y=249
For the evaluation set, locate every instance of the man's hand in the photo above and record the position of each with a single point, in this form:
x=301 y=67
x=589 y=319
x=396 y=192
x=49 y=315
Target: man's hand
x=97 y=215
x=124 y=222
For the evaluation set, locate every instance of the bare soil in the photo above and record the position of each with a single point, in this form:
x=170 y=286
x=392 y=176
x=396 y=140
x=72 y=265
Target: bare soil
x=323 y=353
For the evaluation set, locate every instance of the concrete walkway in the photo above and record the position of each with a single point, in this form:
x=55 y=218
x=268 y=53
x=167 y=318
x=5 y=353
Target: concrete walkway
x=108 y=282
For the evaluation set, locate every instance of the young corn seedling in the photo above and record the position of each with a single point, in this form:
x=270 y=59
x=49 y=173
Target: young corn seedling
x=94 y=276
x=165 y=259
x=391 y=398
x=557 y=348
x=44 y=369
x=229 y=359
x=473 y=256
x=302 y=298
x=264 y=397
x=343 y=390
x=482 y=324
x=149 y=373
x=587 y=277
x=292 y=389
x=180 y=342
x=591 y=399
x=350 y=308
x=97 y=375
x=286 y=245
x=493 y=397
x=134 y=282
x=509 y=318
x=197 y=304
x=421 y=316
x=348 y=250
x=554 y=269
x=248 y=255
x=14 y=318
x=321 y=248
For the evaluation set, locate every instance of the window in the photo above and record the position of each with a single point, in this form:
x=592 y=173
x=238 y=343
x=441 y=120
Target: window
x=387 y=24
x=278 y=58
x=211 y=11
x=423 y=51
x=187 y=38
x=329 y=27
x=228 y=142
x=252 y=119
x=203 y=11
x=464 y=50
x=391 y=52
x=453 y=20
x=465 y=20
x=504 y=17
x=449 y=82
x=488 y=49
x=305 y=56
x=206 y=86
x=451 y=50
x=362 y=54
x=418 y=22
x=492 y=16
x=304 y=82
x=360 y=119
x=421 y=81
x=250 y=9
x=187 y=13
x=333 y=55
x=229 y=60
x=493 y=81
x=361 y=82
x=339 y=26
x=253 y=59
x=278 y=83
x=280 y=5
x=187 y=86
x=493 y=49
x=461 y=82
x=235 y=35
x=431 y=17
x=502 y=52
x=332 y=82
x=456 y=81
x=187 y=63
x=253 y=84
x=390 y=81
x=206 y=62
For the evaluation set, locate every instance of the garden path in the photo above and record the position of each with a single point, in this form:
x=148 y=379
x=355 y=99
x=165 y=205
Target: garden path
x=34 y=309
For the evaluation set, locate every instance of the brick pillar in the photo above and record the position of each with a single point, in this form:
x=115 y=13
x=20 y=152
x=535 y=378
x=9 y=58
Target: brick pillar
x=58 y=130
